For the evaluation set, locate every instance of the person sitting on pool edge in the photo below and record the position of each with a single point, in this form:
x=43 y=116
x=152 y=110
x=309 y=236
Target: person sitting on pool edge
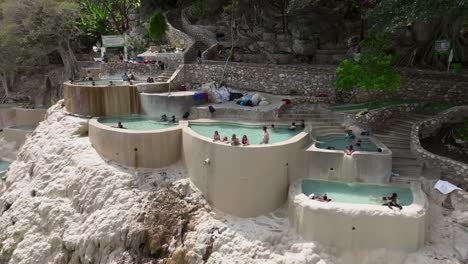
x=292 y=126
x=163 y=118
x=266 y=136
x=392 y=201
x=245 y=141
x=302 y=123
x=119 y=125
x=216 y=136
x=234 y=140
x=349 y=150
x=349 y=134
x=323 y=198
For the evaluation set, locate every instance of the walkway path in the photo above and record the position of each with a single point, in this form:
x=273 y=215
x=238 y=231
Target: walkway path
x=396 y=136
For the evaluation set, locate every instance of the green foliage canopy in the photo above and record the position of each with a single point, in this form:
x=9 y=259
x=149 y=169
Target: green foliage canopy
x=157 y=27
x=394 y=14
x=198 y=8
x=373 y=70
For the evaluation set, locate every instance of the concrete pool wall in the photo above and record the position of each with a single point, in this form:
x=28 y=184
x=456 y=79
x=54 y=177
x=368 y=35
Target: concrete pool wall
x=356 y=228
x=361 y=166
x=243 y=181
x=148 y=149
x=11 y=116
x=173 y=103
x=17 y=135
x=101 y=100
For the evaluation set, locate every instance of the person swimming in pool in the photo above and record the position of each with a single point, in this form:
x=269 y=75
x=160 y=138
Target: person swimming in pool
x=292 y=127
x=323 y=198
x=163 y=118
x=173 y=119
x=392 y=201
x=357 y=143
x=266 y=136
x=272 y=128
x=245 y=141
x=349 y=134
x=234 y=140
x=120 y=125
x=216 y=136
x=225 y=140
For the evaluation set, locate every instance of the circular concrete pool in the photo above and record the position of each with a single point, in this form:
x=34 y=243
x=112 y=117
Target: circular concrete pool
x=136 y=122
x=253 y=132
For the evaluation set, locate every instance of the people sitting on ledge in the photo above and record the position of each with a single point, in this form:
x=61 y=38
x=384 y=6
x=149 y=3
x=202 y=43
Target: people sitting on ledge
x=234 y=140
x=349 y=150
x=119 y=125
x=302 y=123
x=125 y=77
x=216 y=136
x=323 y=198
x=245 y=141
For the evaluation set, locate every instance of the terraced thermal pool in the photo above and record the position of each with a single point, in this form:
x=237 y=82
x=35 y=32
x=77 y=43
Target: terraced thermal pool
x=136 y=123
x=356 y=193
x=105 y=83
x=253 y=133
x=338 y=142
x=4 y=167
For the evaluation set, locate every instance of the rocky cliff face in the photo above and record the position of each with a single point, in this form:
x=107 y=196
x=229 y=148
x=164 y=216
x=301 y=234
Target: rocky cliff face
x=62 y=203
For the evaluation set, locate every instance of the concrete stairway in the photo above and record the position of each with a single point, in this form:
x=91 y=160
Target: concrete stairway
x=165 y=76
x=320 y=121
x=396 y=136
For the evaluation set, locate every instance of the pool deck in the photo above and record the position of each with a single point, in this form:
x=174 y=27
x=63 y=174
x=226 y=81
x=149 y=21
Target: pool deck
x=233 y=111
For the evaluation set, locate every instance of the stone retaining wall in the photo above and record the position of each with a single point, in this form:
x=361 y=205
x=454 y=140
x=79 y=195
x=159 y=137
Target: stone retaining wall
x=311 y=80
x=379 y=116
x=454 y=171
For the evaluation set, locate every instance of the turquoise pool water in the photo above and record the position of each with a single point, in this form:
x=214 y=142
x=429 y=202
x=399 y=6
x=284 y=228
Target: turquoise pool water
x=339 y=143
x=29 y=128
x=356 y=193
x=3 y=167
x=105 y=82
x=254 y=133
x=136 y=122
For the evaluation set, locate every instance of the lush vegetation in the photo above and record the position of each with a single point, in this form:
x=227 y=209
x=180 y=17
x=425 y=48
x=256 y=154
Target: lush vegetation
x=461 y=132
x=371 y=71
x=198 y=8
x=157 y=27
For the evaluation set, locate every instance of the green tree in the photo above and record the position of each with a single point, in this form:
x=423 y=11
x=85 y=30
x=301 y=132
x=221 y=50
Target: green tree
x=33 y=29
x=94 y=18
x=372 y=70
x=102 y=15
x=198 y=8
x=157 y=27
x=441 y=19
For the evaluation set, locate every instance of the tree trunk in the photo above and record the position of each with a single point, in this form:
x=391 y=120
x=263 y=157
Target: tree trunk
x=68 y=59
x=4 y=77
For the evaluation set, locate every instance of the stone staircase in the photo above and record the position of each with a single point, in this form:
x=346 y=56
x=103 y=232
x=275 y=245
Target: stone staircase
x=396 y=136
x=321 y=122
x=165 y=76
